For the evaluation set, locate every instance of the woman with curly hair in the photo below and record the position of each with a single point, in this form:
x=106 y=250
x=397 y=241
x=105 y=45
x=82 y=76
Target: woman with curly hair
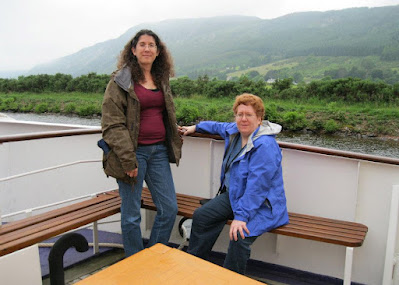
x=140 y=136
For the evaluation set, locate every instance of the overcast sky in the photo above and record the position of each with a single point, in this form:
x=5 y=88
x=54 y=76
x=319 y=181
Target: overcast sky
x=37 y=31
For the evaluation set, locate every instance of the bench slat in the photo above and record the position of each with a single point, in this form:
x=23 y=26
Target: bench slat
x=300 y=233
x=19 y=234
x=20 y=224
x=40 y=236
x=60 y=220
x=301 y=226
x=316 y=231
x=330 y=228
x=53 y=223
x=326 y=221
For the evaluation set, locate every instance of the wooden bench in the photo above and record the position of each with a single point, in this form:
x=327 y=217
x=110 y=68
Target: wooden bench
x=26 y=232
x=348 y=234
x=23 y=233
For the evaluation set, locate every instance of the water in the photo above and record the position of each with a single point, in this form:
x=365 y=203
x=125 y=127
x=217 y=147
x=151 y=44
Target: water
x=52 y=118
x=373 y=146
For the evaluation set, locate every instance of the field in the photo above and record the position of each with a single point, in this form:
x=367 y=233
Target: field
x=313 y=115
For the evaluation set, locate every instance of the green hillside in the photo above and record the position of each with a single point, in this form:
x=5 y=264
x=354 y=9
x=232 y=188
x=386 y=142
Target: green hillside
x=309 y=68
x=220 y=46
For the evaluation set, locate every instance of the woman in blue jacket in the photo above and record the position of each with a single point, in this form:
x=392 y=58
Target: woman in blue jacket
x=252 y=188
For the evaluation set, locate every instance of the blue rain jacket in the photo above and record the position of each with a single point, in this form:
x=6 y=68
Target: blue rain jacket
x=256 y=190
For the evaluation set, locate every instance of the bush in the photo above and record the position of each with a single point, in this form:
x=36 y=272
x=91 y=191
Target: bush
x=331 y=126
x=27 y=108
x=317 y=125
x=282 y=84
x=70 y=108
x=89 y=110
x=187 y=115
x=339 y=116
x=271 y=113
x=219 y=89
x=10 y=104
x=41 y=108
x=55 y=109
x=183 y=87
x=294 y=121
x=212 y=112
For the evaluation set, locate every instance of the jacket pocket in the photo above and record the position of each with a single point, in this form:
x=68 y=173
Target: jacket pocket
x=111 y=163
x=269 y=208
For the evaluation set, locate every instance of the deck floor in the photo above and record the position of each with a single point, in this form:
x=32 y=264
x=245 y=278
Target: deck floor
x=265 y=273
x=89 y=267
x=81 y=270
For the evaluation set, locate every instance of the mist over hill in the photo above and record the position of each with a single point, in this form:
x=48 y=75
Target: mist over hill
x=218 y=46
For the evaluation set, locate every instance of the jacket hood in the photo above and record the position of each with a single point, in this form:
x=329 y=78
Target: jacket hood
x=123 y=78
x=267 y=128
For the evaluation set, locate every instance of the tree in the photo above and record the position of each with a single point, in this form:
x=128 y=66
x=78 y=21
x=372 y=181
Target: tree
x=390 y=53
x=271 y=74
x=298 y=77
x=202 y=81
x=252 y=74
x=377 y=74
x=355 y=72
x=283 y=84
x=183 y=87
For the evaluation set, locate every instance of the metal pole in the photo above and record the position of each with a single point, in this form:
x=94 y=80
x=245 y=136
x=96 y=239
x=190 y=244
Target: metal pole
x=348 y=266
x=95 y=238
x=391 y=237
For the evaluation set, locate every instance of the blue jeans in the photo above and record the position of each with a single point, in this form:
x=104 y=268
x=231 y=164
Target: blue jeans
x=208 y=222
x=154 y=168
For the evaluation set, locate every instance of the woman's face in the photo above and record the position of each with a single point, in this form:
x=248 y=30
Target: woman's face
x=246 y=119
x=146 y=50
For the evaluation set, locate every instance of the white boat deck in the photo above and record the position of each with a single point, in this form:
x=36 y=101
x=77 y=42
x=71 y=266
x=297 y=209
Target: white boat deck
x=38 y=169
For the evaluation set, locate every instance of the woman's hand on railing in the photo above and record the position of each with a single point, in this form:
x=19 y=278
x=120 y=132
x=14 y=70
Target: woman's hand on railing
x=186 y=130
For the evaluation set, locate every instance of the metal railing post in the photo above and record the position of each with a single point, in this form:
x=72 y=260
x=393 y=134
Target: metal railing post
x=391 y=237
x=96 y=247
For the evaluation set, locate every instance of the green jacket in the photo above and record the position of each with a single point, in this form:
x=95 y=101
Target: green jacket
x=120 y=125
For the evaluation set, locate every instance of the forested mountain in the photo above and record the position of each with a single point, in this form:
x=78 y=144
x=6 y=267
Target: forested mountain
x=219 y=46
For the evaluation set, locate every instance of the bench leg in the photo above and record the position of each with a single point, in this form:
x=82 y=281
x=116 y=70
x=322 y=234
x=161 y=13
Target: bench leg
x=95 y=238
x=348 y=266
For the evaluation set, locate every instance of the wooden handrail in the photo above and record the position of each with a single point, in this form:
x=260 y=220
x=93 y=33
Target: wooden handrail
x=321 y=150
x=49 y=134
x=283 y=145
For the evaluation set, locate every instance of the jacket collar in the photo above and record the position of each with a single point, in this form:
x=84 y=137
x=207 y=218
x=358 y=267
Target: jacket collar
x=123 y=78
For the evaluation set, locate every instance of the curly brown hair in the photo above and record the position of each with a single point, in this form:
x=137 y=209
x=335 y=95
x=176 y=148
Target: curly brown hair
x=250 y=100
x=162 y=67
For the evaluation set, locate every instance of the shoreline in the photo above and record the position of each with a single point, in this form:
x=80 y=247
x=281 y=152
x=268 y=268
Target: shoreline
x=346 y=134
x=340 y=133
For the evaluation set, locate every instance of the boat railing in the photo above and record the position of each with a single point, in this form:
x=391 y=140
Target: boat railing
x=48 y=169
x=48 y=134
x=283 y=145
x=319 y=181
x=30 y=211
x=322 y=150
x=53 y=168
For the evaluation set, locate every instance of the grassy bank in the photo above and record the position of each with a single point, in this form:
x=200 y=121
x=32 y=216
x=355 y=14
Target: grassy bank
x=77 y=103
x=314 y=115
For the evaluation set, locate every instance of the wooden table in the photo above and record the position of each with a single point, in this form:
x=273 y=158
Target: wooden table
x=160 y=264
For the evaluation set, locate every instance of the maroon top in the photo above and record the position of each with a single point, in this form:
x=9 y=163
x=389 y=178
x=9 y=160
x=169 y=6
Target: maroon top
x=152 y=105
